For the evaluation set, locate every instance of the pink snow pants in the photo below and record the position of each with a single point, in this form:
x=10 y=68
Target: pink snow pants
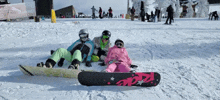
x=117 y=67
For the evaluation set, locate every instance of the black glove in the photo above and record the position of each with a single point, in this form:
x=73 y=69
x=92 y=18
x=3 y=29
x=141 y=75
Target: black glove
x=101 y=52
x=60 y=63
x=133 y=66
x=52 y=51
x=88 y=64
x=102 y=64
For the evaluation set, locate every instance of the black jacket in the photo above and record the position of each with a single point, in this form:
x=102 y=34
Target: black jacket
x=132 y=11
x=170 y=10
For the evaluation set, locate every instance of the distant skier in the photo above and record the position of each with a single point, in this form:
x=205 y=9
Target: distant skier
x=157 y=14
x=110 y=12
x=93 y=12
x=102 y=44
x=80 y=51
x=142 y=14
x=117 y=59
x=100 y=13
x=152 y=16
x=103 y=14
x=132 y=13
x=148 y=17
x=170 y=14
x=42 y=17
x=215 y=15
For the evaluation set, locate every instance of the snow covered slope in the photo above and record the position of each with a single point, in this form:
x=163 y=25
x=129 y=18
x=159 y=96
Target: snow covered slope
x=186 y=54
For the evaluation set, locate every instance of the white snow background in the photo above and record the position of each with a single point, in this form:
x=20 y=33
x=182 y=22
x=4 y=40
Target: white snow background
x=186 y=54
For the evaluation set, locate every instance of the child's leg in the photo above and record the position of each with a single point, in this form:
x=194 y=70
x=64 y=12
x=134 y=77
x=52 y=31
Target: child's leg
x=117 y=70
x=123 y=68
x=56 y=56
x=111 y=67
x=77 y=55
x=61 y=53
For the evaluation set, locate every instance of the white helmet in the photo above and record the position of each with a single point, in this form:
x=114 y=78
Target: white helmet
x=83 y=35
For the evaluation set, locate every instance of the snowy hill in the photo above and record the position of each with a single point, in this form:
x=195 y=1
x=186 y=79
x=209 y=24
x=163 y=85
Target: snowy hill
x=186 y=54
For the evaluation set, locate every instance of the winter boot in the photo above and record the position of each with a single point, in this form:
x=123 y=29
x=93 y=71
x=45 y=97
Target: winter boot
x=75 y=64
x=50 y=63
x=41 y=64
x=134 y=66
x=104 y=71
x=132 y=71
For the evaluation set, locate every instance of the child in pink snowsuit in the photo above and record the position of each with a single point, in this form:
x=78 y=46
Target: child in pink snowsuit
x=117 y=59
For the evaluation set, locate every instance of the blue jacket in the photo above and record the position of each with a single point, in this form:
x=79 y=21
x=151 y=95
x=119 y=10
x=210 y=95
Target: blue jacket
x=85 y=48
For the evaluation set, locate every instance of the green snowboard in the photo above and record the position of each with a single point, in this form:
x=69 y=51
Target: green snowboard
x=54 y=72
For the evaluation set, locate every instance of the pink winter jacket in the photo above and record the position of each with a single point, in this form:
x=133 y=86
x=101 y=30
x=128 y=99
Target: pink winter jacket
x=119 y=54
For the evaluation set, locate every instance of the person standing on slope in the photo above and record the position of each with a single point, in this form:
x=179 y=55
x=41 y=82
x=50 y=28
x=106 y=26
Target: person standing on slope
x=142 y=14
x=110 y=12
x=132 y=13
x=93 y=12
x=100 y=13
x=215 y=15
x=170 y=14
x=80 y=51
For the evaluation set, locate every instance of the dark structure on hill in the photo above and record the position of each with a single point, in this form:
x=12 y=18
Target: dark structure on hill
x=43 y=7
x=210 y=1
x=214 y=1
x=67 y=12
x=4 y=2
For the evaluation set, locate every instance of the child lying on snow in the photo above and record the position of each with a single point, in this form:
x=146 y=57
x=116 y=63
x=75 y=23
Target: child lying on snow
x=80 y=51
x=101 y=46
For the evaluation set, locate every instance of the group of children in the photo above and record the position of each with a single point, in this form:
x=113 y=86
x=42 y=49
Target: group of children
x=85 y=50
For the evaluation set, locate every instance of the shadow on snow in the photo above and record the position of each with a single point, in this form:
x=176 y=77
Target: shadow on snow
x=58 y=83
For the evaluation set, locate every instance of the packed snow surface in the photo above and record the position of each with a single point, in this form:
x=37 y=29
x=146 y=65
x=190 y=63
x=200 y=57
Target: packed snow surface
x=186 y=54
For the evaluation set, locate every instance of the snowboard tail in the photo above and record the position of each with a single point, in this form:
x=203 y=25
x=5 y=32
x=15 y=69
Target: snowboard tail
x=24 y=70
x=50 y=72
x=144 y=79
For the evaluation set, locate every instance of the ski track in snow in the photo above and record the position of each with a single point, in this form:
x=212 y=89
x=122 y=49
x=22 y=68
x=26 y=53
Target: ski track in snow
x=186 y=54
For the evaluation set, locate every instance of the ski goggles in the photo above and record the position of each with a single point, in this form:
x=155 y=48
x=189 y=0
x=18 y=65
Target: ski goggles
x=105 y=37
x=119 y=44
x=83 y=37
